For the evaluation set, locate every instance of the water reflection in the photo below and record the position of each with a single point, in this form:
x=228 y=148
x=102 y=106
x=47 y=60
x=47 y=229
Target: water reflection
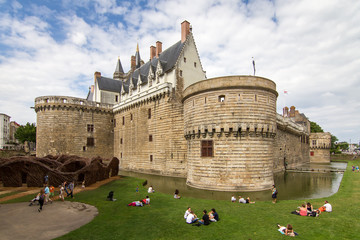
x=291 y=185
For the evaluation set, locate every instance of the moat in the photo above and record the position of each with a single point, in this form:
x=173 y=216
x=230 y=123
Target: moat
x=307 y=182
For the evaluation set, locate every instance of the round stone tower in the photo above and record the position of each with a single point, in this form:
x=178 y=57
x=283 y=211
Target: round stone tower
x=230 y=126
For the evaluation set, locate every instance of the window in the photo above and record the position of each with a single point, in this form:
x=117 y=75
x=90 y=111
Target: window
x=151 y=158
x=123 y=120
x=180 y=73
x=90 y=142
x=90 y=127
x=194 y=64
x=114 y=122
x=207 y=148
x=120 y=155
x=121 y=141
x=116 y=98
x=205 y=100
x=222 y=98
x=314 y=142
x=185 y=59
x=131 y=116
x=149 y=113
x=150 y=138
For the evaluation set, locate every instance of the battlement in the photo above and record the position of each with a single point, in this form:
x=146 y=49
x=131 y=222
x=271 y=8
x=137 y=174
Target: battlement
x=288 y=125
x=69 y=102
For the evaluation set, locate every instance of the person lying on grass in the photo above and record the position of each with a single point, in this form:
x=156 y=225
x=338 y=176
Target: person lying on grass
x=136 y=204
x=288 y=230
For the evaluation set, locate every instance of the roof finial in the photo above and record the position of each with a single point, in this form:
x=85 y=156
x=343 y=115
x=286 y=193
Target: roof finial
x=253 y=62
x=137 y=47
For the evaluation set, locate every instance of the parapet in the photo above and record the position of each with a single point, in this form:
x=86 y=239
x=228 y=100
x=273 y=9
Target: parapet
x=64 y=101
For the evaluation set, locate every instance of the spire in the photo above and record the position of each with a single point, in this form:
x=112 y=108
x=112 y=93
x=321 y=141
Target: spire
x=119 y=72
x=137 y=56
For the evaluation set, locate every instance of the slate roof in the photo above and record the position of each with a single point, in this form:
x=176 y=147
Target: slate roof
x=167 y=59
x=90 y=96
x=119 y=68
x=109 y=84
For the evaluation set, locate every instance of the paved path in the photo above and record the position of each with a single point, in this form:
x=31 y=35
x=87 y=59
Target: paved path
x=19 y=221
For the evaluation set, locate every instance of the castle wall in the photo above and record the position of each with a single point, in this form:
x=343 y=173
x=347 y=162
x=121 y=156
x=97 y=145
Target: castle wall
x=320 y=144
x=237 y=115
x=164 y=152
x=62 y=127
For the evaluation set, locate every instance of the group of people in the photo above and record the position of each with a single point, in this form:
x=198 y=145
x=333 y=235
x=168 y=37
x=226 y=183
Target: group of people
x=190 y=217
x=355 y=168
x=48 y=193
x=308 y=210
x=241 y=199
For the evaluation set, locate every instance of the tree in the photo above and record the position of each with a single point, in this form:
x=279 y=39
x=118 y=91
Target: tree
x=315 y=128
x=334 y=148
x=26 y=133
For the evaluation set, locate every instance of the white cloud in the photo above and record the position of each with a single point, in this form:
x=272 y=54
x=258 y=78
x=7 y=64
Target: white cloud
x=311 y=50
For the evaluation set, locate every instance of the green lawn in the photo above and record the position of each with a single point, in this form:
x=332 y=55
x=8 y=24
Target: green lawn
x=164 y=218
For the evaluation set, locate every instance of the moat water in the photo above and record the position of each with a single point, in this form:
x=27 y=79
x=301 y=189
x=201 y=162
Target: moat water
x=314 y=181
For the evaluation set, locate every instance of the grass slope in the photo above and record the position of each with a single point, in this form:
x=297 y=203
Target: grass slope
x=164 y=218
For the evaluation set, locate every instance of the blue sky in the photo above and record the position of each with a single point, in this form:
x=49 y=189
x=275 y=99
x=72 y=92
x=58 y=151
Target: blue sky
x=309 y=48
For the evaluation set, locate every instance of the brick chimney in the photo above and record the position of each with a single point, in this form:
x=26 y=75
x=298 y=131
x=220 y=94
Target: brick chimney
x=185 y=30
x=158 y=48
x=133 y=63
x=96 y=75
x=92 y=88
x=292 y=111
x=285 y=112
x=152 y=52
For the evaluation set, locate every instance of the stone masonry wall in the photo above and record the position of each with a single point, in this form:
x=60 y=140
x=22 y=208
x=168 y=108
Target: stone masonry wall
x=238 y=114
x=154 y=144
x=62 y=127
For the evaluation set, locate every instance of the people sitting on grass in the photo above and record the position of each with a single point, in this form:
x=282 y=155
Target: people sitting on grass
x=213 y=216
x=176 y=194
x=309 y=208
x=136 y=204
x=187 y=212
x=288 y=230
x=151 y=190
x=248 y=200
x=233 y=198
x=302 y=210
x=205 y=219
x=191 y=218
x=326 y=207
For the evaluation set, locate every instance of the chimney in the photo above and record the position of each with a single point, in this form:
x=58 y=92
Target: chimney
x=292 y=111
x=158 y=48
x=285 y=112
x=92 y=88
x=185 y=30
x=133 y=63
x=96 y=75
x=152 y=52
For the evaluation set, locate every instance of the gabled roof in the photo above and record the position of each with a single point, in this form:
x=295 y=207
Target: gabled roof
x=109 y=84
x=167 y=59
x=90 y=96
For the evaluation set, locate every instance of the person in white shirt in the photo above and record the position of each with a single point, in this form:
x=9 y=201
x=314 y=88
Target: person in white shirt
x=241 y=200
x=187 y=212
x=151 y=190
x=328 y=206
x=233 y=198
x=191 y=218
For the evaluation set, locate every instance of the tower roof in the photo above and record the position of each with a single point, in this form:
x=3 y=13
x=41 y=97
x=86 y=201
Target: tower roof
x=137 y=57
x=119 y=68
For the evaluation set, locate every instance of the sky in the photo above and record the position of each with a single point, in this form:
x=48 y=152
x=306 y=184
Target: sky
x=310 y=49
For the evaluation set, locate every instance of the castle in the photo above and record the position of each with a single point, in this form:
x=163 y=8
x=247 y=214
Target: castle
x=165 y=117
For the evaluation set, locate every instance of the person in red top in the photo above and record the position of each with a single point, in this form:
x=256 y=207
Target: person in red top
x=52 y=191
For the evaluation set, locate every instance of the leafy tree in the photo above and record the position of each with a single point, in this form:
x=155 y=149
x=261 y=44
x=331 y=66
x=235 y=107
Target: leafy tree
x=26 y=133
x=334 y=148
x=315 y=128
x=343 y=146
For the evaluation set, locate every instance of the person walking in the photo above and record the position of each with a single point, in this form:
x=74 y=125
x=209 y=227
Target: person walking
x=41 y=199
x=71 y=189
